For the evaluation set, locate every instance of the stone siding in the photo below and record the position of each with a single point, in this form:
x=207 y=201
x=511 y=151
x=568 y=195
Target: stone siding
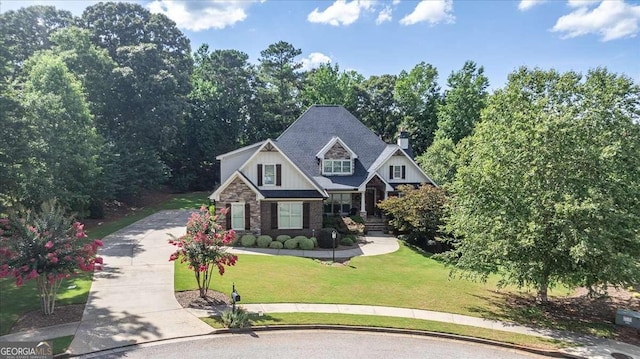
x=238 y=191
x=315 y=221
x=337 y=152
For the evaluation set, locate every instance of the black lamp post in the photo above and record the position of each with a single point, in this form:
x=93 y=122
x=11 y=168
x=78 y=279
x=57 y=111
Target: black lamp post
x=235 y=297
x=334 y=234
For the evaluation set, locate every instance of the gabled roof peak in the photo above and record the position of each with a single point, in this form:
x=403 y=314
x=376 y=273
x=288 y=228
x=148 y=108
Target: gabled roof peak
x=331 y=143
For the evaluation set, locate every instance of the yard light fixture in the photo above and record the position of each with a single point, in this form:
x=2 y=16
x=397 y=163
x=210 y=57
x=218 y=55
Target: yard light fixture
x=235 y=297
x=334 y=235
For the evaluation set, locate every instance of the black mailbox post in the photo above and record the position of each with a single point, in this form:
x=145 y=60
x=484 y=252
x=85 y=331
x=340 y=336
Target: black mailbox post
x=235 y=297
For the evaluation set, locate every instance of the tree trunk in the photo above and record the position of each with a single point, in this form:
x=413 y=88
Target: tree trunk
x=542 y=290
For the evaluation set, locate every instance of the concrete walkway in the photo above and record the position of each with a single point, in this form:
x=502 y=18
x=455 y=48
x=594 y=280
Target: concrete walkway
x=132 y=300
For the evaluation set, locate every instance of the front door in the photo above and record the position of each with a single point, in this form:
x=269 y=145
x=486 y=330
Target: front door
x=370 y=201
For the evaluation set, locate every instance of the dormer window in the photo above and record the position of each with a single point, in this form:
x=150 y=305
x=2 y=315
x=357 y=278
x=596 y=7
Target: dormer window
x=336 y=167
x=269 y=176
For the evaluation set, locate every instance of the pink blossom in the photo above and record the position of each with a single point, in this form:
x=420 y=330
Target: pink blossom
x=19 y=280
x=99 y=260
x=32 y=275
x=98 y=243
x=48 y=245
x=32 y=229
x=173 y=257
x=25 y=268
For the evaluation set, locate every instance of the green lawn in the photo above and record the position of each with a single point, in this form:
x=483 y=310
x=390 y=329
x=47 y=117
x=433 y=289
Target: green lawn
x=61 y=344
x=402 y=323
x=402 y=279
x=14 y=302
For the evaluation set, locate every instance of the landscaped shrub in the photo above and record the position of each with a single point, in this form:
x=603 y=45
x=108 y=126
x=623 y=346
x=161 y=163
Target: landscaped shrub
x=276 y=245
x=315 y=241
x=325 y=240
x=291 y=243
x=357 y=219
x=283 y=238
x=305 y=243
x=299 y=238
x=248 y=240
x=264 y=241
x=347 y=241
x=237 y=319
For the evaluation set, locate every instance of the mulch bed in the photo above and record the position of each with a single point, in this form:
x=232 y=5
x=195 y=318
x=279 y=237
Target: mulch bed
x=35 y=319
x=192 y=299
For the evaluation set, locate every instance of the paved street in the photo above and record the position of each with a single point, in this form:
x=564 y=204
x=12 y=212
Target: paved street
x=317 y=344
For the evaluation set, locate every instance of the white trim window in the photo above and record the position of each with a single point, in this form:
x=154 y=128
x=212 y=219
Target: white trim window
x=269 y=175
x=289 y=215
x=237 y=216
x=336 y=167
x=397 y=171
x=338 y=203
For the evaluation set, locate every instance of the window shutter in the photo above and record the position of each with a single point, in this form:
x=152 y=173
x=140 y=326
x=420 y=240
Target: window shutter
x=274 y=215
x=278 y=175
x=247 y=216
x=259 y=175
x=390 y=172
x=228 y=216
x=305 y=215
x=404 y=171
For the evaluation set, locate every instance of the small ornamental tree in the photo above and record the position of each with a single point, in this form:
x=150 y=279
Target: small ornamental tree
x=417 y=212
x=47 y=246
x=203 y=247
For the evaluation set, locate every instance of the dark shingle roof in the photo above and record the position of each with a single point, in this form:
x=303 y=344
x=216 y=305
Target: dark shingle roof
x=309 y=133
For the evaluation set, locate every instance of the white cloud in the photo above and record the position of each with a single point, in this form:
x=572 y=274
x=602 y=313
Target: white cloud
x=581 y=3
x=612 y=19
x=341 y=12
x=384 y=15
x=525 y=5
x=432 y=11
x=396 y=2
x=203 y=14
x=314 y=60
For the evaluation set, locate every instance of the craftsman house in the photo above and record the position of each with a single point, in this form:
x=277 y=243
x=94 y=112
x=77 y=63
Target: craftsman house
x=326 y=163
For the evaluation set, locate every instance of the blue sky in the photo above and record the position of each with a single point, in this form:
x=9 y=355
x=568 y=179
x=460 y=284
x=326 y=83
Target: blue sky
x=386 y=37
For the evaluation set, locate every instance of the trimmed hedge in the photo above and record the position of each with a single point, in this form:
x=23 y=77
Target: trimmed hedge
x=347 y=241
x=315 y=242
x=291 y=243
x=305 y=243
x=264 y=241
x=283 y=238
x=248 y=240
x=276 y=245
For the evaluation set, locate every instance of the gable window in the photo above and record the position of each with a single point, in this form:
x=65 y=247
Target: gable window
x=336 y=167
x=269 y=175
x=397 y=172
x=237 y=216
x=289 y=215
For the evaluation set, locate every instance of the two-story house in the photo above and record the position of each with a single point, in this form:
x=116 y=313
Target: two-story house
x=327 y=162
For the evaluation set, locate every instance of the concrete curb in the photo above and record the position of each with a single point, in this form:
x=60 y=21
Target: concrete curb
x=346 y=328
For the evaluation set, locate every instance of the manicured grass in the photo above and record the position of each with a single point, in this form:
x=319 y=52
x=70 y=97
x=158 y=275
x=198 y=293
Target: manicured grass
x=401 y=279
x=14 y=302
x=61 y=344
x=403 y=323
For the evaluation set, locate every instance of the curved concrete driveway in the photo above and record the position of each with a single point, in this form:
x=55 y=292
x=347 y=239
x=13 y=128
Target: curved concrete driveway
x=132 y=299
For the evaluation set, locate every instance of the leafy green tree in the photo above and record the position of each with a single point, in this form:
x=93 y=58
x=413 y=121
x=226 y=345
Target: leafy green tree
x=439 y=161
x=417 y=94
x=281 y=86
x=463 y=101
x=418 y=212
x=148 y=100
x=27 y=30
x=221 y=106
x=457 y=115
x=328 y=85
x=548 y=185
x=67 y=144
x=377 y=107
